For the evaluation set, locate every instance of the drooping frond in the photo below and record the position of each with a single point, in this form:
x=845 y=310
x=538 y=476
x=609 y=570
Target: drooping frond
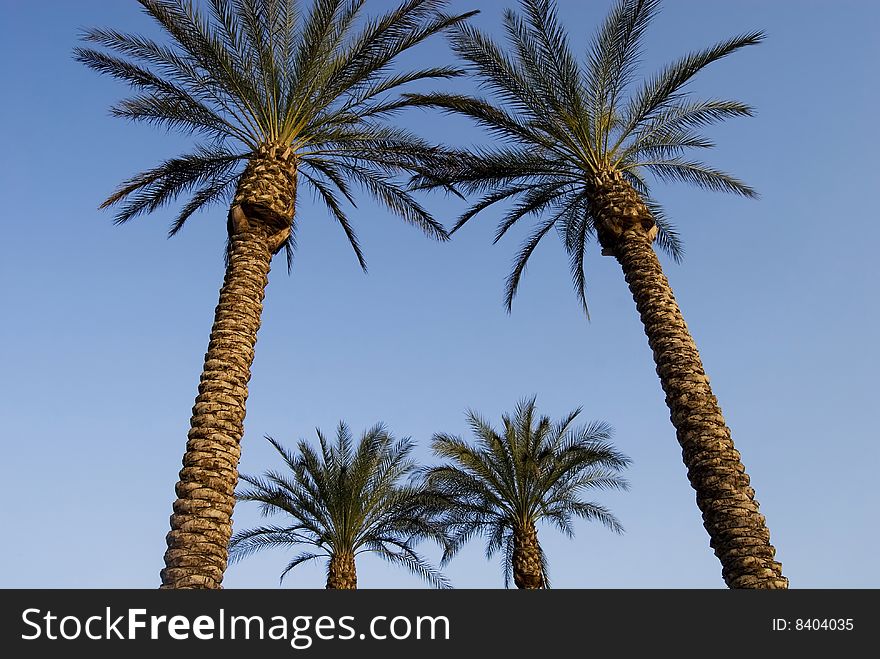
x=667 y=234
x=207 y=166
x=522 y=259
x=333 y=205
x=414 y=563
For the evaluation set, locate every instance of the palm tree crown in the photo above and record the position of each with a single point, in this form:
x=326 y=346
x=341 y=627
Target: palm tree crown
x=266 y=80
x=504 y=484
x=344 y=501
x=569 y=129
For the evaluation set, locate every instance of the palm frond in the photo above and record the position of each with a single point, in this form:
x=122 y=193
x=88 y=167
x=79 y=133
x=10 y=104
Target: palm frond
x=414 y=563
x=663 y=90
x=667 y=235
x=216 y=190
x=522 y=259
x=297 y=560
x=613 y=58
x=154 y=188
x=332 y=203
x=245 y=543
x=554 y=51
x=697 y=173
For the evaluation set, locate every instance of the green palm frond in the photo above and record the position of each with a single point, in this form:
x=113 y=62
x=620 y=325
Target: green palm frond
x=532 y=470
x=664 y=89
x=496 y=120
x=522 y=258
x=667 y=235
x=575 y=224
x=613 y=58
x=335 y=208
x=318 y=76
x=680 y=119
x=297 y=560
x=697 y=173
x=506 y=542
x=346 y=496
x=154 y=188
x=559 y=120
x=246 y=543
x=411 y=561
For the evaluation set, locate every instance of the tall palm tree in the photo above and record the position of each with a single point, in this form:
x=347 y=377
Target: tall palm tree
x=504 y=484
x=281 y=94
x=345 y=501
x=577 y=141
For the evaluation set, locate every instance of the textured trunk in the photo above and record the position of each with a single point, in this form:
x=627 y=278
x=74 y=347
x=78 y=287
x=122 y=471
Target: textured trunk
x=201 y=524
x=737 y=531
x=528 y=571
x=341 y=573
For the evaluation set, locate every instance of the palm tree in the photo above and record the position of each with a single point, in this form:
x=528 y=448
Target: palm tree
x=577 y=143
x=281 y=94
x=343 y=502
x=507 y=482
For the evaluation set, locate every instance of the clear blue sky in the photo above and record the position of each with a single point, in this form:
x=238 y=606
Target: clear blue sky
x=104 y=328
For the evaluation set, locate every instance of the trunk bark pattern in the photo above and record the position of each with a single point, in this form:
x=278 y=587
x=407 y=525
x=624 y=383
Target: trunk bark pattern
x=341 y=573
x=201 y=523
x=266 y=194
x=528 y=570
x=738 y=532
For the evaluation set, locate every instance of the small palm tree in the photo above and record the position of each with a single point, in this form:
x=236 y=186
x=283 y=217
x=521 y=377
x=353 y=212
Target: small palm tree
x=574 y=149
x=507 y=482
x=281 y=93
x=342 y=502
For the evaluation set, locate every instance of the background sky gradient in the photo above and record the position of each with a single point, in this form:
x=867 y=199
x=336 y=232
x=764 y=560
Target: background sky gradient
x=105 y=328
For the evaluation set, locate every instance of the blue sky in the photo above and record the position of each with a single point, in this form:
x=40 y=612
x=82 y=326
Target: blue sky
x=105 y=327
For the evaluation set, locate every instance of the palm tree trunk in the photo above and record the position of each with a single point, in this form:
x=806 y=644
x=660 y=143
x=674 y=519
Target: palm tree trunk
x=528 y=570
x=201 y=524
x=341 y=573
x=738 y=532
x=259 y=223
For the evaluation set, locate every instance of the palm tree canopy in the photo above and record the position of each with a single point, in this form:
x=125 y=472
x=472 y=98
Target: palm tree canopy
x=564 y=123
x=243 y=74
x=345 y=499
x=532 y=470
